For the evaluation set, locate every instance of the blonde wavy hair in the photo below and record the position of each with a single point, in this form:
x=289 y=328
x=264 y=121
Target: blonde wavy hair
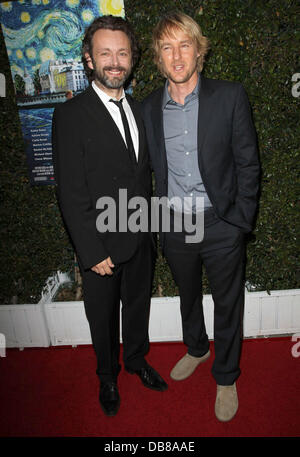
x=168 y=25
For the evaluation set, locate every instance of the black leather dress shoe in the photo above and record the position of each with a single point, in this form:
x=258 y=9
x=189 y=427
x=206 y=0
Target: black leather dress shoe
x=150 y=378
x=109 y=398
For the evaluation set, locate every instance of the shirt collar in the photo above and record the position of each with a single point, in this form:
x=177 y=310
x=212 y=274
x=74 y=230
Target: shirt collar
x=105 y=98
x=167 y=98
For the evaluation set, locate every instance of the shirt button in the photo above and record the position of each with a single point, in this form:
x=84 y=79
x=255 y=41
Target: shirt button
x=187 y=153
x=189 y=174
x=191 y=194
x=185 y=131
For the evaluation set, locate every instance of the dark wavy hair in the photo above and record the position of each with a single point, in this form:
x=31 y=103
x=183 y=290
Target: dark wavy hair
x=110 y=23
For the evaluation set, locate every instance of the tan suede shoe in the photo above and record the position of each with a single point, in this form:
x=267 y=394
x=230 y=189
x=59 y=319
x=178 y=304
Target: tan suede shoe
x=227 y=402
x=186 y=366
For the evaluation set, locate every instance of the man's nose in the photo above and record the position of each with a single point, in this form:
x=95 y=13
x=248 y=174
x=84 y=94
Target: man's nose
x=176 y=53
x=115 y=60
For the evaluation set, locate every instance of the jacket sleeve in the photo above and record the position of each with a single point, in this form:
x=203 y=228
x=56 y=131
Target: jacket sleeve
x=72 y=190
x=244 y=146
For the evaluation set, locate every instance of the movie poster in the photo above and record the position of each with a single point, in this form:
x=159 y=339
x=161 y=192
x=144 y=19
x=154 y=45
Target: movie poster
x=43 y=41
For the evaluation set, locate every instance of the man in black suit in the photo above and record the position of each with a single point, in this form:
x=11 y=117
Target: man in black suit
x=202 y=146
x=100 y=151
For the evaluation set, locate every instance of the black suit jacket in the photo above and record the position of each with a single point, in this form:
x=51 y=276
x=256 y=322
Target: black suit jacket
x=227 y=149
x=91 y=161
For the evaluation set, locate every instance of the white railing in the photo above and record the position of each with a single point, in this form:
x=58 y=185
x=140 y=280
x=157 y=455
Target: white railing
x=64 y=323
x=52 y=285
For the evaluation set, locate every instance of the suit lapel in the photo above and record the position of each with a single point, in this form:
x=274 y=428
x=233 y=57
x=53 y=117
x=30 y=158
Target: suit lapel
x=158 y=129
x=206 y=106
x=101 y=115
x=141 y=129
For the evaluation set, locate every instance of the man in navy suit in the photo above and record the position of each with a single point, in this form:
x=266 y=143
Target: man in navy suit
x=99 y=149
x=202 y=146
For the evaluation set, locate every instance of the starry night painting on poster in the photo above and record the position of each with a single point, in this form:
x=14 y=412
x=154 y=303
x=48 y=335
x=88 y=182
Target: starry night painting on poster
x=43 y=41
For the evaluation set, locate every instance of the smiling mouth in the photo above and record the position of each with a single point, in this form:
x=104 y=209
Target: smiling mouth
x=115 y=71
x=178 y=67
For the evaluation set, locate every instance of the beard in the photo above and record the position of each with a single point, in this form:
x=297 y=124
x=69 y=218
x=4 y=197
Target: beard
x=111 y=82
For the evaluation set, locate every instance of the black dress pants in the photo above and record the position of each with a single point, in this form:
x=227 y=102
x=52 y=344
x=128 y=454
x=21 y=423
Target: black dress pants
x=222 y=252
x=131 y=283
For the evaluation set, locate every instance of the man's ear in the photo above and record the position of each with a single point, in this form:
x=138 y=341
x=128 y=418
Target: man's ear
x=89 y=61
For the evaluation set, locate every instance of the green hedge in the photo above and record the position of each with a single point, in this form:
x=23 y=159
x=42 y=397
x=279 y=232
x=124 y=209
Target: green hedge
x=254 y=42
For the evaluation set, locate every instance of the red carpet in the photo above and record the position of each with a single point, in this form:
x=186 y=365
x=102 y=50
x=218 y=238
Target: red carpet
x=54 y=392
